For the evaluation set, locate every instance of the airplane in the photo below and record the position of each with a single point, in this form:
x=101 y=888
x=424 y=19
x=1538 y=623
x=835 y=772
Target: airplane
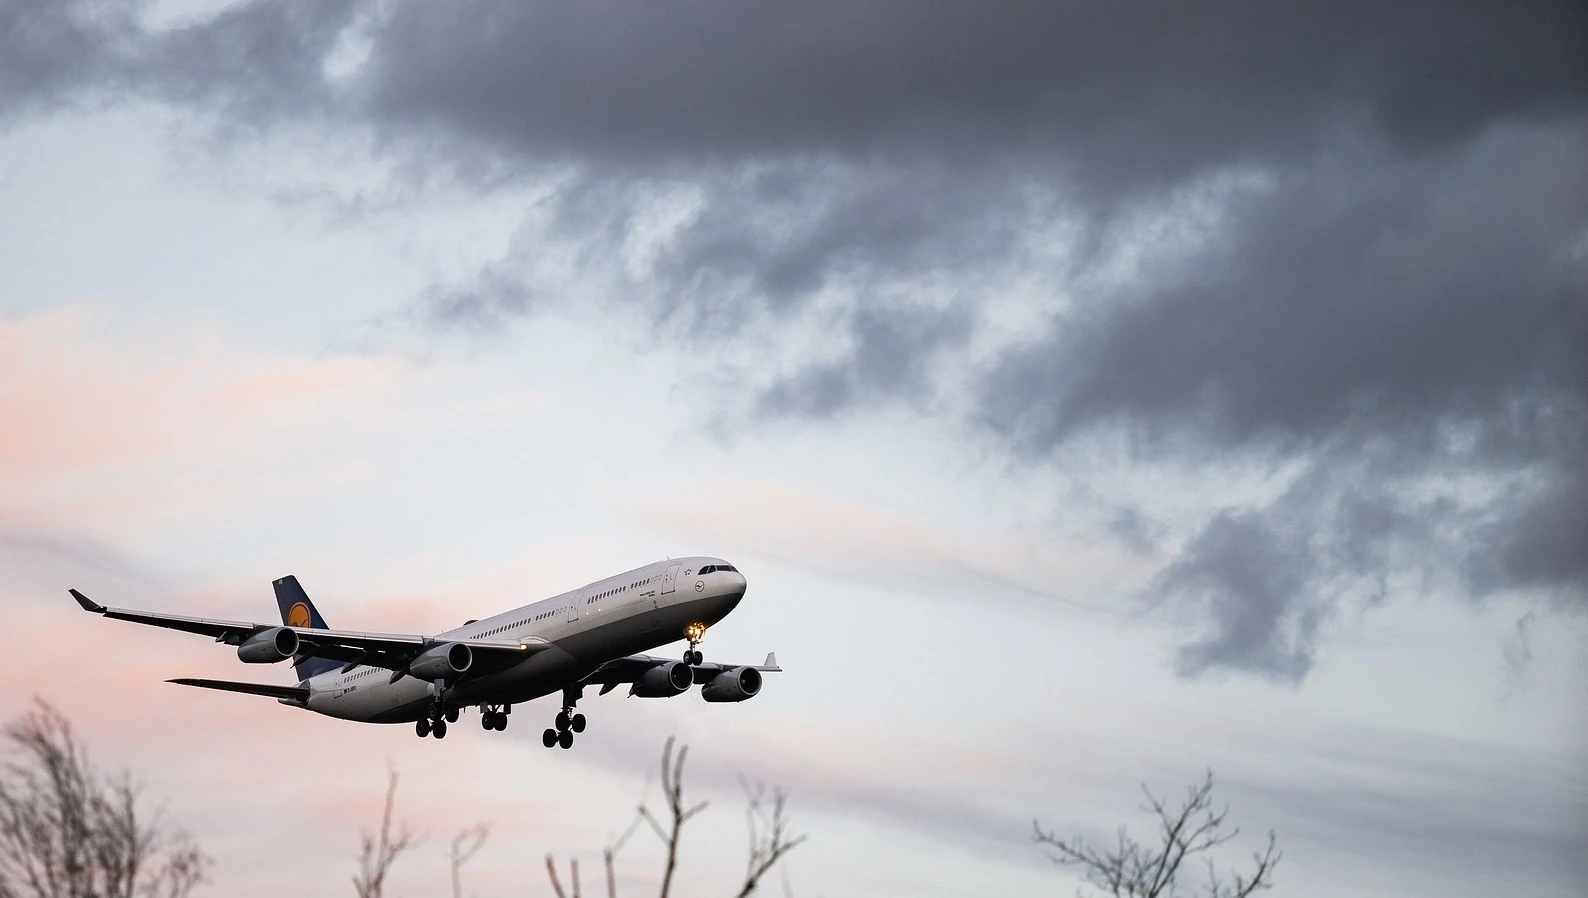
x=591 y=636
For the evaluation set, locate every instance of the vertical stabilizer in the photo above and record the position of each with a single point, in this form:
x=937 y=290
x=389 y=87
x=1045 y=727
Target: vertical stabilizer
x=298 y=611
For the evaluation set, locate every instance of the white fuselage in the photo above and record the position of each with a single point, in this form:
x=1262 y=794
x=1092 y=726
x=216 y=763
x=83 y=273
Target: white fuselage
x=585 y=628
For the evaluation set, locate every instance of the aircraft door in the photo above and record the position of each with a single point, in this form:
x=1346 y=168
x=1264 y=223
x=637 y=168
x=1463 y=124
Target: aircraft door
x=669 y=577
x=574 y=602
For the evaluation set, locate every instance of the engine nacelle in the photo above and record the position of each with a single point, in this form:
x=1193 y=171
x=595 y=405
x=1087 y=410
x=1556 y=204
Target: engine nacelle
x=664 y=681
x=443 y=662
x=268 y=647
x=735 y=685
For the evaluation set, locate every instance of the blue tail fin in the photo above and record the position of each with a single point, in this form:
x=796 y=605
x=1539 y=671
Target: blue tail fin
x=298 y=611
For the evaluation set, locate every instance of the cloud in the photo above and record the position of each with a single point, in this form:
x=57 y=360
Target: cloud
x=1340 y=245
x=1354 y=800
x=719 y=81
x=1250 y=582
x=1517 y=649
x=1369 y=795
x=858 y=543
x=84 y=409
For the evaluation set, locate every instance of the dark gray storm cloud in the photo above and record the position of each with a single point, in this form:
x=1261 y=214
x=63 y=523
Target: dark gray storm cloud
x=1114 y=82
x=49 y=51
x=1376 y=286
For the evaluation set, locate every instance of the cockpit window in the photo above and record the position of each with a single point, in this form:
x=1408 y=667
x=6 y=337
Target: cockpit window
x=708 y=569
x=713 y=568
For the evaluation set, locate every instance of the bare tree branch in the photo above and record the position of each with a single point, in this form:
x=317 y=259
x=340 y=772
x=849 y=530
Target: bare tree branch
x=770 y=839
x=769 y=835
x=66 y=830
x=464 y=846
x=678 y=812
x=609 y=854
x=1135 y=870
x=573 y=877
x=378 y=851
x=551 y=872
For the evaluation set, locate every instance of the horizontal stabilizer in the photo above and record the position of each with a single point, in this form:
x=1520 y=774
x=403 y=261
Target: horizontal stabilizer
x=290 y=693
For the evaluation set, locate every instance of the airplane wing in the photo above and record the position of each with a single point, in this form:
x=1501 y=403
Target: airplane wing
x=393 y=651
x=627 y=670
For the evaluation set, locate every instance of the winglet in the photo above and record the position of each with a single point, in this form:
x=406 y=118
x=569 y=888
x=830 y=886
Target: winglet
x=771 y=662
x=88 y=604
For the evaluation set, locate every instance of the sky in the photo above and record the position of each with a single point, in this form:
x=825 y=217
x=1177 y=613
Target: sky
x=1092 y=394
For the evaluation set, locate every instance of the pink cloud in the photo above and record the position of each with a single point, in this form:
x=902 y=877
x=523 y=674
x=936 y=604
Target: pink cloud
x=75 y=400
x=98 y=429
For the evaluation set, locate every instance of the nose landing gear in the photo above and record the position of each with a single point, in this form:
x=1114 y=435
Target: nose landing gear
x=567 y=723
x=694 y=633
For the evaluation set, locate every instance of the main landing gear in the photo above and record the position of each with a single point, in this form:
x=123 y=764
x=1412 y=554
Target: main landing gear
x=494 y=717
x=435 y=723
x=694 y=633
x=567 y=723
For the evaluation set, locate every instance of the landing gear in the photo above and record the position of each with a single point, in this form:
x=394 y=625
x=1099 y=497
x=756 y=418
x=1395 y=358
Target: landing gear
x=566 y=724
x=694 y=633
x=434 y=723
x=494 y=717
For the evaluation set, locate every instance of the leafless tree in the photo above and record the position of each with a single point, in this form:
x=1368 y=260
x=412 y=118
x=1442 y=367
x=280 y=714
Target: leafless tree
x=770 y=839
x=68 y=830
x=379 y=850
x=1132 y=869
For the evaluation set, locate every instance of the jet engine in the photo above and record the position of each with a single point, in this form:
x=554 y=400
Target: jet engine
x=269 y=646
x=443 y=662
x=664 y=681
x=732 y=685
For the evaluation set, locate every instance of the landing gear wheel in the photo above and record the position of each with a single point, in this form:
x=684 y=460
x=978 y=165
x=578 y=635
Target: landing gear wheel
x=452 y=715
x=549 y=738
x=422 y=727
x=565 y=739
x=501 y=721
x=439 y=729
x=577 y=723
x=488 y=720
x=562 y=720
x=697 y=658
